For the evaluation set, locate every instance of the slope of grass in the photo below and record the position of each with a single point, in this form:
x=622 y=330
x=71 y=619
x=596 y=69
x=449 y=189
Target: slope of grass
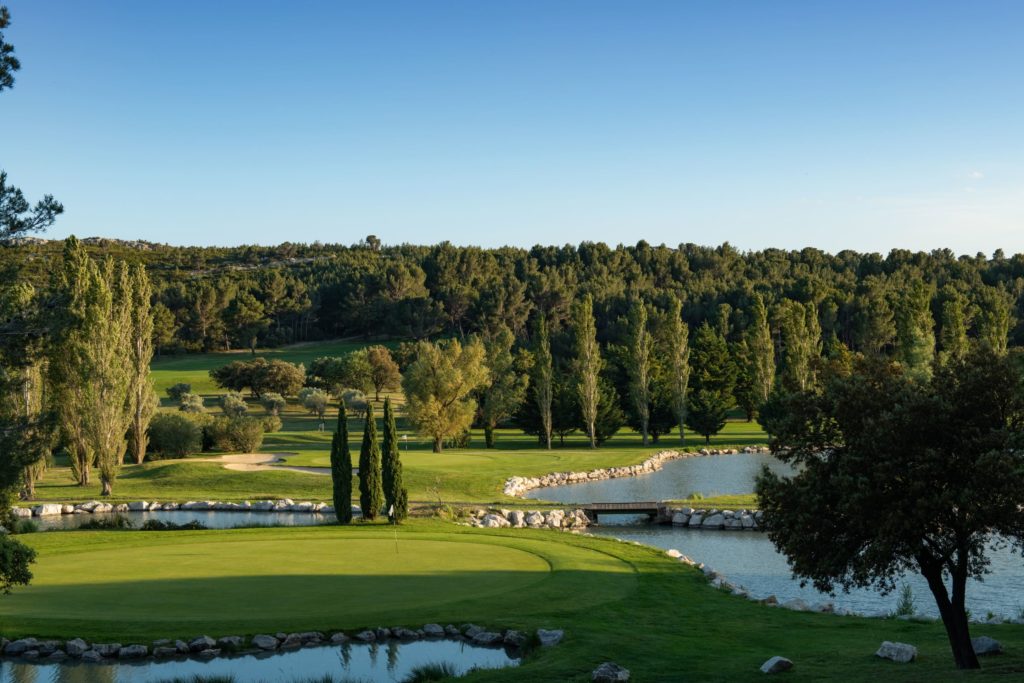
x=616 y=601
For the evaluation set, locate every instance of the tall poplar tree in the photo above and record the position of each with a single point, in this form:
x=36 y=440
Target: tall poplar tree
x=371 y=493
x=505 y=387
x=341 y=469
x=141 y=393
x=675 y=352
x=588 y=364
x=915 y=328
x=953 y=343
x=543 y=379
x=761 y=351
x=395 y=496
x=639 y=365
x=995 y=318
x=801 y=343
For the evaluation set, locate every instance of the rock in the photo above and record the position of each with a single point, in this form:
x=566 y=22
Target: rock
x=679 y=519
x=609 y=672
x=92 y=656
x=534 y=520
x=715 y=521
x=339 y=638
x=48 y=647
x=264 y=642
x=293 y=641
x=76 y=647
x=383 y=633
x=673 y=553
x=983 y=645
x=67 y=509
x=263 y=506
x=21 y=512
x=107 y=649
x=20 y=646
x=231 y=642
x=403 y=633
x=133 y=652
x=470 y=630
x=201 y=643
x=776 y=665
x=138 y=506
x=897 y=652
x=182 y=647
x=169 y=506
x=433 y=630
x=487 y=638
x=302 y=507
x=492 y=521
x=696 y=519
x=121 y=507
x=452 y=631
x=366 y=636
x=47 y=509
x=797 y=605
x=164 y=652
x=554 y=519
x=56 y=656
x=208 y=653
x=514 y=638
x=550 y=637
x=517 y=518
x=311 y=637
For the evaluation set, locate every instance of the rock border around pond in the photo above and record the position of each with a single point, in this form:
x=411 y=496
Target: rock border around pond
x=99 y=507
x=205 y=648
x=517 y=487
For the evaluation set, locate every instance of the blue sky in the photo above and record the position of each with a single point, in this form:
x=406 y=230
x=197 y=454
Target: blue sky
x=864 y=125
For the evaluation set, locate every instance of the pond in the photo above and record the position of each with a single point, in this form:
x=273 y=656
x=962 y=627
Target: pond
x=677 y=479
x=748 y=558
x=383 y=662
x=213 y=519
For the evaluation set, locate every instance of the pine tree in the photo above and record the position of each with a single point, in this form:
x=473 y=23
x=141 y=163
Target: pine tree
x=995 y=318
x=588 y=364
x=371 y=494
x=801 y=344
x=713 y=378
x=543 y=380
x=760 y=352
x=639 y=366
x=915 y=329
x=953 y=335
x=341 y=469
x=391 y=470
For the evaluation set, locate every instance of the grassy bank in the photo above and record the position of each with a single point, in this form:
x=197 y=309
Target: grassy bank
x=616 y=601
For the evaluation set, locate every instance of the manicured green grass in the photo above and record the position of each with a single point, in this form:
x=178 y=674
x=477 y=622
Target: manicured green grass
x=617 y=601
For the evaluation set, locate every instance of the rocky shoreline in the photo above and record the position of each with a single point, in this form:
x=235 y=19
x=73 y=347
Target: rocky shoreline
x=99 y=507
x=205 y=648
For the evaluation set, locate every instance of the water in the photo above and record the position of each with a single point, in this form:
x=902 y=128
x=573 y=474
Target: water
x=213 y=519
x=748 y=558
x=708 y=475
x=391 y=661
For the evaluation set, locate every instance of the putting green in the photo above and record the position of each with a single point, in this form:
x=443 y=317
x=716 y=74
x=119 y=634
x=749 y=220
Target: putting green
x=245 y=581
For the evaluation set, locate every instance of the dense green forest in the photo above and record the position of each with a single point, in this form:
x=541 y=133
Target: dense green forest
x=209 y=298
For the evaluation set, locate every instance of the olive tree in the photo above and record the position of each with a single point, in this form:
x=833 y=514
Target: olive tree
x=900 y=473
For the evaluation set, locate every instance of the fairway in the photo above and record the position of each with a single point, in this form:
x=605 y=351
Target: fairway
x=252 y=580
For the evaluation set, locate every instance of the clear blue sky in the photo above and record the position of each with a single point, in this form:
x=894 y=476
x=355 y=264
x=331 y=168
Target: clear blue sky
x=865 y=125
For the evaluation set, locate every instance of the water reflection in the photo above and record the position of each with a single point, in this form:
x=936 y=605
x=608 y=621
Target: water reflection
x=213 y=519
x=356 y=661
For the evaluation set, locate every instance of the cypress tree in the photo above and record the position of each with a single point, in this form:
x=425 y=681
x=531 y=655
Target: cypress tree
x=341 y=469
x=371 y=495
x=391 y=471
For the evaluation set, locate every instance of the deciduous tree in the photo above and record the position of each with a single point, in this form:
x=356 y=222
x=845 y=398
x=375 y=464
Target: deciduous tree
x=587 y=364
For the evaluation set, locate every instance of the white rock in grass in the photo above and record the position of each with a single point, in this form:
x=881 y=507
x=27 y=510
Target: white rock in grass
x=609 y=672
x=897 y=652
x=550 y=637
x=983 y=645
x=776 y=665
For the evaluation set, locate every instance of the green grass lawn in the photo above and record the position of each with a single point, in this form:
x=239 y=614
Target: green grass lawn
x=616 y=600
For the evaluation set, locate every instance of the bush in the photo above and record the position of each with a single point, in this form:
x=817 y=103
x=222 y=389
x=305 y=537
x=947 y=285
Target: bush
x=158 y=525
x=233 y=404
x=172 y=435
x=179 y=390
x=354 y=399
x=245 y=434
x=190 y=403
x=273 y=403
x=26 y=526
x=271 y=424
x=433 y=671
x=216 y=435
x=115 y=523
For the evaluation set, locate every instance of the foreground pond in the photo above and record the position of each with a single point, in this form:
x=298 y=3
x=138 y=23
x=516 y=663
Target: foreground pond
x=212 y=519
x=708 y=475
x=391 y=661
x=750 y=560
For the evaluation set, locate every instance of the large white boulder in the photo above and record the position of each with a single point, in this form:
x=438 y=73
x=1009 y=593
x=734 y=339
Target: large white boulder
x=138 y=506
x=983 y=645
x=47 y=509
x=534 y=519
x=517 y=518
x=897 y=652
x=492 y=521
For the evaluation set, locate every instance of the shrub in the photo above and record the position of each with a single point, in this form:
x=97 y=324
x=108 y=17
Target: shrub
x=26 y=526
x=271 y=424
x=179 y=390
x=434 y=671
x=354 y=399
x=159 y=525
x=233 y=405
x=273 y=403
x=315 y=401
x=245 y=434
x=190 y=403
x=216 y=435
x=172 y=435
x=115 y=523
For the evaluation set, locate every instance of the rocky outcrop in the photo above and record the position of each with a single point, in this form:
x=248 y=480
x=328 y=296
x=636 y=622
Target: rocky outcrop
x=518 y=486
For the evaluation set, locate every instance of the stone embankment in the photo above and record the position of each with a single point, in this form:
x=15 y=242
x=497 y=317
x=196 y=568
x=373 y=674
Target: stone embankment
x=531 y=519
x=204 y=647
x=99 y=507
x=730 y=520
x=518 y=486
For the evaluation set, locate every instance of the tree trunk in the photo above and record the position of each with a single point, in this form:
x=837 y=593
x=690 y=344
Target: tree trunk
x=30 y=485
x=438 y=444
x=488 y=436
x=108 y=487
x=954 y=616
x=643 y=432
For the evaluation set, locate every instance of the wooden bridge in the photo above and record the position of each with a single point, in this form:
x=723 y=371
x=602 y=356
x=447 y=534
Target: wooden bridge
x=592 y=510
